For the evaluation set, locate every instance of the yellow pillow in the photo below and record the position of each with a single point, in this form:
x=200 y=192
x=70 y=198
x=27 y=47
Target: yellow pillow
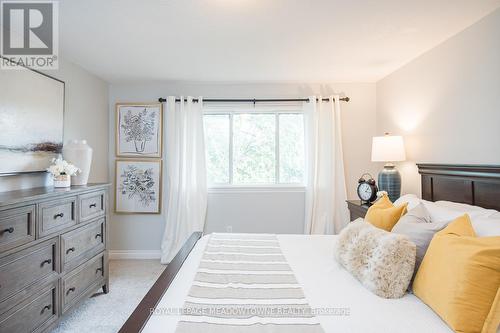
x=383 y=214
x=459 y=278
x=492 y=322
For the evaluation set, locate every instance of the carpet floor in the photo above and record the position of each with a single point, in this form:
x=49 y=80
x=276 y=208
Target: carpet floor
x=105 y=313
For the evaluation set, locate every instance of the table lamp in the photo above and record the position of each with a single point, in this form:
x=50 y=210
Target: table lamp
x=389 y=149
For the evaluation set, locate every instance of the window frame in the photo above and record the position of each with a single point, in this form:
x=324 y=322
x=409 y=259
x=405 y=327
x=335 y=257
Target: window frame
x=276 y=110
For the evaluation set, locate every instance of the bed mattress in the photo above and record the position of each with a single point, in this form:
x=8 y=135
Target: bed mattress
x=346 y=305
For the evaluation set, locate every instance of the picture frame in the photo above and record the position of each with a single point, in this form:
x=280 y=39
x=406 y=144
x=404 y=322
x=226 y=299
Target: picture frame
x=31 y=125
x=139 y=130
x=138 y=186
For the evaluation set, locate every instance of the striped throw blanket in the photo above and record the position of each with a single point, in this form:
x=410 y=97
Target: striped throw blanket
x=244 y=284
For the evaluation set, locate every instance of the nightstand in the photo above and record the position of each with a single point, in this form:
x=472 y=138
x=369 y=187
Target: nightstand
x=357 y=209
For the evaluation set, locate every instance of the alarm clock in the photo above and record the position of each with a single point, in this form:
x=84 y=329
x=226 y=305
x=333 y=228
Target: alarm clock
x=367 y=188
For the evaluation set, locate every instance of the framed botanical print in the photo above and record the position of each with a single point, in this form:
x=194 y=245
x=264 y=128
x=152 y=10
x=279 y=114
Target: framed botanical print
x=138 y=186
x=139 y=130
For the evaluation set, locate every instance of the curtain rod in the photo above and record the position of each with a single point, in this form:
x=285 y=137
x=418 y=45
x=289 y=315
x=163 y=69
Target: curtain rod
x=254 y=100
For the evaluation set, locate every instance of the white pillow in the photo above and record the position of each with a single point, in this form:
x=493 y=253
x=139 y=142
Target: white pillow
x=486 y=226
x=411 y=199
x=486 y=222
x=495 y=215
x=439 y=213
x=465 y=208
x=442 y=210
x=436 y=212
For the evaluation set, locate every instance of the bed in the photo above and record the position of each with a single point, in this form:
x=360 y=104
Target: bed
x=325 y=283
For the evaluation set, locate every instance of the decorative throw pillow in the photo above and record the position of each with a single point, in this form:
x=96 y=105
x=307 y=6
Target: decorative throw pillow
x=459 y=278
x=383 y=214
x=382 y=261
x=417 y=214
x=417 y=226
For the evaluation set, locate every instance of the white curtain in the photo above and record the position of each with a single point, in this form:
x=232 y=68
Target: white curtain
x=326 y=210
x=186 y=174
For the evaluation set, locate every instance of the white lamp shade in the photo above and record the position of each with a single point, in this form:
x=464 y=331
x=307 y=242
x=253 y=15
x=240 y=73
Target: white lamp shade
x=388 y=148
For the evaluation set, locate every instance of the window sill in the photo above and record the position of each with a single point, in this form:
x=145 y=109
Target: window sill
x=257 y=189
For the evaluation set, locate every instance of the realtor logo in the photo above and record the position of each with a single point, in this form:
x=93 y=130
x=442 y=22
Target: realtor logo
x=29 y=34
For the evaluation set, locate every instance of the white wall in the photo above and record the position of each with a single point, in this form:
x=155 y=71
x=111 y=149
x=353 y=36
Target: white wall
x=278 y=212
x=85 y=117
x=446 y=102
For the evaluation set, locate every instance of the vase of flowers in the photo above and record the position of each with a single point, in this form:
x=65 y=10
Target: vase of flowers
x=62 y=171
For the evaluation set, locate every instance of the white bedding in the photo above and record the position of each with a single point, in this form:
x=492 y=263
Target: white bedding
x=326 y=285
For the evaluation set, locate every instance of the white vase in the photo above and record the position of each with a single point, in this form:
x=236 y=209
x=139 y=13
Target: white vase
x=62 y=181
x=79 y=153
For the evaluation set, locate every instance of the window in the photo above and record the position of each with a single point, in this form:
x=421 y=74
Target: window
x=254 y=148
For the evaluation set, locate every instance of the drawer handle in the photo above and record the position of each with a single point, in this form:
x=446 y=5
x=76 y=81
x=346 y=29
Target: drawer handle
x=9 y=230
x=61 y=215
x=98 y=235
x=48 y=261
x=94 y=205
x=46 y=307
x=71 y=249
x=98 y=270
x=70 y=290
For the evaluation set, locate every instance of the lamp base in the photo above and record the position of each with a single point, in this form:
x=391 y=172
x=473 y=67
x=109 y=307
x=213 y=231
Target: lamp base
x=389 y=180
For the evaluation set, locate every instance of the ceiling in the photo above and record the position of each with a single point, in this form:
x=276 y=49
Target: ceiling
x=257 y=40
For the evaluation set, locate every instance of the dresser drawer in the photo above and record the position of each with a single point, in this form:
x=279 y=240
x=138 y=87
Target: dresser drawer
x=56 y=215
x=82 y=244
x=25 y=268
x=17 y=227
x=34 y=314
x=92 y=205
x=81 y=280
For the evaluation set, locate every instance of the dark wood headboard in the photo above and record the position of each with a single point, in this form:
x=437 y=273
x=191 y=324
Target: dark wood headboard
x=477 y=185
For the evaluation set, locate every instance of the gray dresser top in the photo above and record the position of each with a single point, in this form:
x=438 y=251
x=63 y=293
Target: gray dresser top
x=37 y=193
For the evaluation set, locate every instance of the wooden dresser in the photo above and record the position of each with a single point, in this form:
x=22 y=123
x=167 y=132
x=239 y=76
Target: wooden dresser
x=53 y=253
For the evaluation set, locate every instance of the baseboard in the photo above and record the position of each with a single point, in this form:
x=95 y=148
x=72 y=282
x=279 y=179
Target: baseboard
x=134 y=254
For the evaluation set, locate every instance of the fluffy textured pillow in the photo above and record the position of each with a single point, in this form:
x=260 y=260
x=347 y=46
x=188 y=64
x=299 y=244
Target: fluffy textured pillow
x=382 y=261
x=417 y=226
x=460 y=276
x=383 y=214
